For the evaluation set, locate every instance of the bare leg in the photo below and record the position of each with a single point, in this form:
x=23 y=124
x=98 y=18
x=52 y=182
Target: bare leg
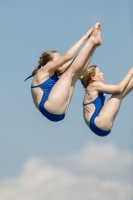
x=80 y=64
x=75 y=80
x=109 y=111
x=61 y=93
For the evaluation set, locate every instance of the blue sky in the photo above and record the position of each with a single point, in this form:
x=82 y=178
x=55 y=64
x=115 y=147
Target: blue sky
x=30 y=145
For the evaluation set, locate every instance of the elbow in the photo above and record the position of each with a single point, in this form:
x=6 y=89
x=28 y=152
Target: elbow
x=119 y=89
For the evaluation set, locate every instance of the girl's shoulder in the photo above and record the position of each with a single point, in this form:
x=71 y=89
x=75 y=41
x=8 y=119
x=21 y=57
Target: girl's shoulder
x=40 y=77
x=95 y=84
x=92 y=89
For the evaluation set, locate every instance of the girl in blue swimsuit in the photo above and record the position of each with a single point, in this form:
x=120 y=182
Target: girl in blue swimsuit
x=52 y=95
x=97 y=115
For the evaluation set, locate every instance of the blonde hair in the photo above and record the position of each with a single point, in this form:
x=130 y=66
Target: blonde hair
x=86 y=76
x=45 y=57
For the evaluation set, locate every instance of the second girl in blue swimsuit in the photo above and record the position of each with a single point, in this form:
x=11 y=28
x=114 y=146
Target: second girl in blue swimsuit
x=99 y=116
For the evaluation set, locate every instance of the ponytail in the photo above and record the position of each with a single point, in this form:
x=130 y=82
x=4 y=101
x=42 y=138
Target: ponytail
x=34 y=72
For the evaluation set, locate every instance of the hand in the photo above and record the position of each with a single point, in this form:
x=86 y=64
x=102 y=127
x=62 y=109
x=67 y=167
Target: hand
x=88 y=33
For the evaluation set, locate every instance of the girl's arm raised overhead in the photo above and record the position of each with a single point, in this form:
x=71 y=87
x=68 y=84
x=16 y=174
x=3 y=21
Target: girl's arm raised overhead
x=70 y=53
x=111 y=89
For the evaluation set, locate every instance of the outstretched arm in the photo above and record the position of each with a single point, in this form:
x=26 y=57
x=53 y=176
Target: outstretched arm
x=70 y=53
x=111 y=89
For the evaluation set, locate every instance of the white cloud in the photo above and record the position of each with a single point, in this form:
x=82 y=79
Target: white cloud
x=96 y=173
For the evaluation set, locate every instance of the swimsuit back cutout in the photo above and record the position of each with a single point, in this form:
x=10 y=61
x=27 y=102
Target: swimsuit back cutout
x=98 y=103
x=46 y=87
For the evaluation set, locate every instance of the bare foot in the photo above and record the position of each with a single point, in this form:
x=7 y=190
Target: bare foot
x=95 y=36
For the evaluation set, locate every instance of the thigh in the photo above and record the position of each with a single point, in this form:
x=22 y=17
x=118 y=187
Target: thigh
x=60 y=95
x=111 y=107
x=108 y=113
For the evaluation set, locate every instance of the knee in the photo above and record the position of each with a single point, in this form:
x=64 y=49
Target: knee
x=106 y=124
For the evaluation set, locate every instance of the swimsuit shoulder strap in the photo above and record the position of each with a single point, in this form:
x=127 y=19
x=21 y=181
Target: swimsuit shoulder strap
x=35 y=86
x=54 y=77
x=85 y=104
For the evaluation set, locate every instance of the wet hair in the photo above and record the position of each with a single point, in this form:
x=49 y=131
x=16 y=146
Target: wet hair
x=45 y=57
x=86 y=76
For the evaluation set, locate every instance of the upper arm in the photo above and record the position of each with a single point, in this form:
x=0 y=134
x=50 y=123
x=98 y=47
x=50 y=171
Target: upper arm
x=109 y=89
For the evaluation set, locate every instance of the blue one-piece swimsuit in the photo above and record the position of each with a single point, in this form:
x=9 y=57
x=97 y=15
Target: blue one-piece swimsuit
x=46 y=86
x=98 y=103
